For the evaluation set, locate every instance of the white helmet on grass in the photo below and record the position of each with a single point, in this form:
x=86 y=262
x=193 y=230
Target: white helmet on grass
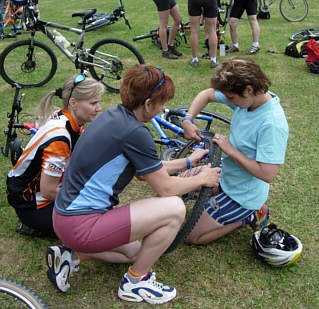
x=276 y=247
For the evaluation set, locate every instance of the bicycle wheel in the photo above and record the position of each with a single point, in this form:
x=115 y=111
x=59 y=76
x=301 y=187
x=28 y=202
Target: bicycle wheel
x=27 y=64
x=205 y=192
x=213 y=121
x=110 y=58
x=169 y=154
x=293 y=10
x=305 y=34
x=15 y=295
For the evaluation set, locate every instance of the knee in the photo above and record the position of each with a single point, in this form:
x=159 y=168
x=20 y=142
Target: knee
x=233 y=23
x=177 y=209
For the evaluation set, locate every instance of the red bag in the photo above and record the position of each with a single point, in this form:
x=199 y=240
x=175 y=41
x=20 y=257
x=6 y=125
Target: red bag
x=312 y=49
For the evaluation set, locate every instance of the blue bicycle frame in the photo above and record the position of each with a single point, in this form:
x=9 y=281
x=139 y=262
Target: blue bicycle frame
x=159 y=121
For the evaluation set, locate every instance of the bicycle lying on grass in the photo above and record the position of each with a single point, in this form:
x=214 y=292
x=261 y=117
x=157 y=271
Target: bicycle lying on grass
x=305 y=34
x=16 y=295
x=100 y=20
x=154 y=35
x=31 y=63
x=291 y=10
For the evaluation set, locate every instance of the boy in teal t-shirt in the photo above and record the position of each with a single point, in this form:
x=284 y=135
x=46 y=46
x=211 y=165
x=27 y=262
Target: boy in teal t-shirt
x=253 y=152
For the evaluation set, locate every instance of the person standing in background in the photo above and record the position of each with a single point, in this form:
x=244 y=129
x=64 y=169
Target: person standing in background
x=250 y=6
x=207 y=8
x=166 y=8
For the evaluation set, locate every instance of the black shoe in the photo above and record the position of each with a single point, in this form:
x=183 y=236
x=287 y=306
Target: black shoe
x=174 y=51
x=23 y=229
x=169 y=55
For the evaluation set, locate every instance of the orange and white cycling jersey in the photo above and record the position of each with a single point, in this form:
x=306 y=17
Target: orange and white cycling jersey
x=47 y=152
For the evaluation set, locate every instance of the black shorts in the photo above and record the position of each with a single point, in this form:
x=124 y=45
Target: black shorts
x=207 y=7
x=250 y=6
x=164 y=5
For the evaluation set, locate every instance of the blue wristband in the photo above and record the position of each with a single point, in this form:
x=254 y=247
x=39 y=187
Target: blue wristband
x=188 y=118
x=188 y=161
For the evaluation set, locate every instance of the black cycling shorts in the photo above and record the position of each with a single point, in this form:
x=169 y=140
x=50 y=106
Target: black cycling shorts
x=206 y=7
x=164 y=5
x=250 y=6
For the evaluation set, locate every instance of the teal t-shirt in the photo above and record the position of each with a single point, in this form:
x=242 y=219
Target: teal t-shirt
x=261 y=135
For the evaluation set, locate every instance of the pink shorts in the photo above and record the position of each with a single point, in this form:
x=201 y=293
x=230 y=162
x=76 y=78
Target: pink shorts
x=96 y=232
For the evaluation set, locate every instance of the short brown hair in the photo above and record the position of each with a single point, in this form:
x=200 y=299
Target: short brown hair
x=236 y=73
x=139 y=83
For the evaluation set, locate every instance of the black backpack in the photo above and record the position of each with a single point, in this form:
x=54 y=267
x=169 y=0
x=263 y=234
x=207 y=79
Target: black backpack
x=296 y=49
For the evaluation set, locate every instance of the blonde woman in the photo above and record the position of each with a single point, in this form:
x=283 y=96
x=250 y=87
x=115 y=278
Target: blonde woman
x=33 y=183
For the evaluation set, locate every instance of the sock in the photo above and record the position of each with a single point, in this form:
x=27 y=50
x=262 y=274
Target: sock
x=255 y=44
x=195 y=59
x=213 y=59
x=134 y=274
x=236 y=45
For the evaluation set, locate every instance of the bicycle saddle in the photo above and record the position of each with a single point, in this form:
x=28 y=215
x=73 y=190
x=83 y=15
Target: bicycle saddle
x=85 y=14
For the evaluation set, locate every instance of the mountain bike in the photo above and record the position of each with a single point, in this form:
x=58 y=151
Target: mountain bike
x=176 y=146
x=13 y=146
x=31 y=63
x=305 y=34
x=291 y=10
x=16 y=295
x=100 y=20
x=154 y=35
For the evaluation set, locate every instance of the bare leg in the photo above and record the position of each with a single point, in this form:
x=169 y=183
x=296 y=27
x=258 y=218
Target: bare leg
x=156 y=221
x=124 y=254
x=254 y=27
x=207 y=230
x=210 y=29
x=163 y=16
x=195 y=27
x=233 y=23
x=177 y=19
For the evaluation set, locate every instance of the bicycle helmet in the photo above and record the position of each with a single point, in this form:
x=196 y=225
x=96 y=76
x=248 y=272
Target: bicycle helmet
x=275 y=246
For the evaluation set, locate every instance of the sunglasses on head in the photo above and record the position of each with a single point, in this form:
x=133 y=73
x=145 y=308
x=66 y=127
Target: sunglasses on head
x=77 y=80
x=161 y=82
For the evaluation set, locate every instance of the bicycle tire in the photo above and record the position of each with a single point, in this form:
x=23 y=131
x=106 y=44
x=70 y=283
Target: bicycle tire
x=204 y=195
x=14 y=295
x=169 y=154
x=33 y=70
x=305 y=34
x=220 y=123
x=114 y=56
x=97 y=24
x=293 y=10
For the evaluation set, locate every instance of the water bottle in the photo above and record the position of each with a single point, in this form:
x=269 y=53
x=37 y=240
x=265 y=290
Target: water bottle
x=222 y=48
x=60 y=39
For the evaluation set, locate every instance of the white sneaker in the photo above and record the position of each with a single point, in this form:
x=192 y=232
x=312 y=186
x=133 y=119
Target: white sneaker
x=60 y=266
x=145 y=288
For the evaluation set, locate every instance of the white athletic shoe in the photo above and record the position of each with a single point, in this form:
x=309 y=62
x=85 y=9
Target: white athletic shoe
x=145 y=288
x=60 y=266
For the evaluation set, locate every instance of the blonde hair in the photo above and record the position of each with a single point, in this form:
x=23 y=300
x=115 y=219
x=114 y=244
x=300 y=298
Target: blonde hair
x=84 y=90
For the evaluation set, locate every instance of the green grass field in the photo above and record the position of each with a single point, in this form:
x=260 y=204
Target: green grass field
x=223 y=274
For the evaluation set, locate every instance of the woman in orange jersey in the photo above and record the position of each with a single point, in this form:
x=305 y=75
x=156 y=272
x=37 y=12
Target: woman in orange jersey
x=33 y=183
